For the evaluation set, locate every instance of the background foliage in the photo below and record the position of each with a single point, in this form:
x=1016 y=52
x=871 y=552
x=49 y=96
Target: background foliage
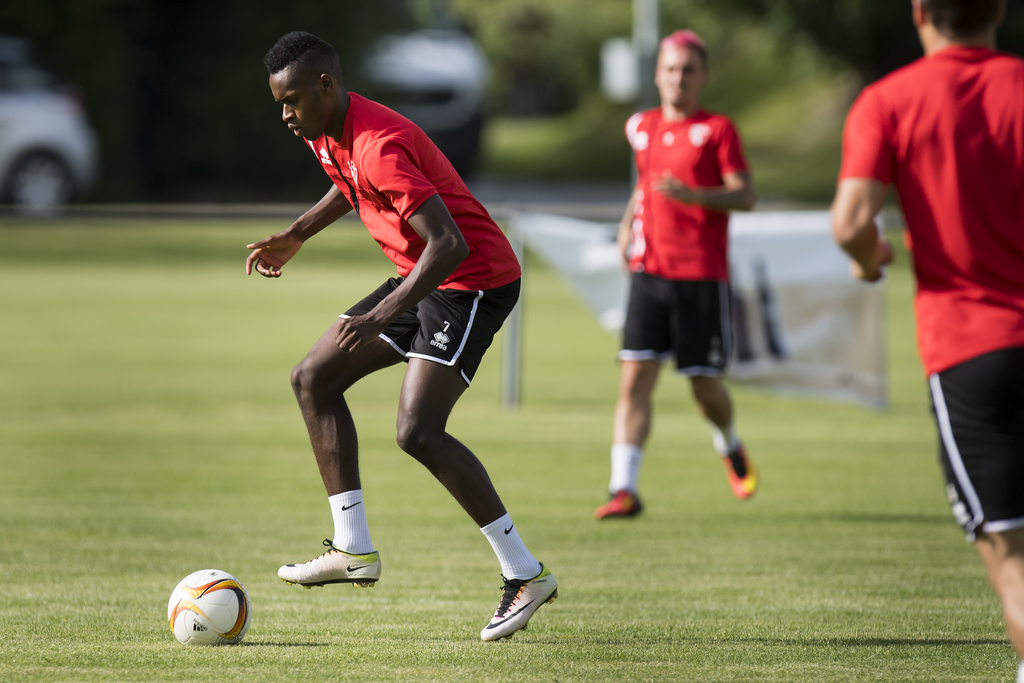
x=872 y=36
x=177 y=91
x=179 y=98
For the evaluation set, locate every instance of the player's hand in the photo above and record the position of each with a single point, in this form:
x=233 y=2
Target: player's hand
x=874 y=271
x=356 y=332
x=271 y=253
x=672 y=188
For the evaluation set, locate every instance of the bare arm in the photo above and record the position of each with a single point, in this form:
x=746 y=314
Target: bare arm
x=858 y=201
x=445 y=250
x=736 y=193
x=625 y=235
x=271 y=253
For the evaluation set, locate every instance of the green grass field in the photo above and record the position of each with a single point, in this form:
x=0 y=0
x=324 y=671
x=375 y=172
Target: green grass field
x=148 y=430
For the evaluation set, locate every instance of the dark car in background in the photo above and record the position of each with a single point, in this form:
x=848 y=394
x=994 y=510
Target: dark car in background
x=48 y=152
x=437 y=79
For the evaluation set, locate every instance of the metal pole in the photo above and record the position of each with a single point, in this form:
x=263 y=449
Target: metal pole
x=512 y=353
x=645 y=41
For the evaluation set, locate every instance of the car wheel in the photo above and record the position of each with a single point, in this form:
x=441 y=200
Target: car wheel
x=39 y=184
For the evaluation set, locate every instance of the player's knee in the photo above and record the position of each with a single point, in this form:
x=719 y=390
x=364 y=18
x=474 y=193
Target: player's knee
x=415 y=438
x=638 y=380
x=706 y=389
x=303 y=379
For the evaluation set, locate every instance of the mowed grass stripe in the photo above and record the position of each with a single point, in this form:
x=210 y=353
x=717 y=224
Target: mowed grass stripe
x=149 y=431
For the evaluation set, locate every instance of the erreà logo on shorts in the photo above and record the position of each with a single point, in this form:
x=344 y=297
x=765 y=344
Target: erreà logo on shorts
x=441 y=339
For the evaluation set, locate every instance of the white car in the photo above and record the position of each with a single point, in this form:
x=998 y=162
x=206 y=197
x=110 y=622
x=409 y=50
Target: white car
x=48 y=152
x=437 y=78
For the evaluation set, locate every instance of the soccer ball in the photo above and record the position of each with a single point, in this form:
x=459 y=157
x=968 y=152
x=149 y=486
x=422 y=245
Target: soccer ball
x=209 y=607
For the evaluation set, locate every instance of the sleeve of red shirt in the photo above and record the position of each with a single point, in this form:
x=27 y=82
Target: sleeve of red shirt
x=391 y=167
x=867 y=147
x=730 y=151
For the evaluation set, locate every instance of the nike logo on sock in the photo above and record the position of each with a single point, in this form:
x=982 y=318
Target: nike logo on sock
x=508 y=530
x=348 y=507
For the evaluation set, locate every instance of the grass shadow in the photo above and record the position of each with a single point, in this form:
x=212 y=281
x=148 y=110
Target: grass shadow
x=270 y=643
x=870 y=642
x=890 y=517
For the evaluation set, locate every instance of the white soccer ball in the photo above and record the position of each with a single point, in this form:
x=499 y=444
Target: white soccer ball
x=209 y=607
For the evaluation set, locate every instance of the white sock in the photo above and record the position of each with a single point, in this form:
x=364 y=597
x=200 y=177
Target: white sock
x=1020 y=673
x=626 y=461
x=351 y=531
x=725 y=440
x=516 y=561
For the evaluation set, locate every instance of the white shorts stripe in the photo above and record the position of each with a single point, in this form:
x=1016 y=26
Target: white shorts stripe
x=469 y=325
x=1003 y=525
x=647 y=354
x=946 y=432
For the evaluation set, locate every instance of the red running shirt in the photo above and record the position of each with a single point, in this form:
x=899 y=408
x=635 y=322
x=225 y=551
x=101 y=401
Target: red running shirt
x=393 y=167
x=670 y=239
x=948 y=131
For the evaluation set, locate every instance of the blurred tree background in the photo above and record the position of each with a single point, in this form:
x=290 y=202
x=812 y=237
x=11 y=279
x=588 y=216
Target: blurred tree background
x=178 y=94
x=179 y=97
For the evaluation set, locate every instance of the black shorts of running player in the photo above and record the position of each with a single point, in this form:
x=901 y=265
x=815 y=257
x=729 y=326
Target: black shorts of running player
x=449 y=326
x=979 y=408
x=685 y=319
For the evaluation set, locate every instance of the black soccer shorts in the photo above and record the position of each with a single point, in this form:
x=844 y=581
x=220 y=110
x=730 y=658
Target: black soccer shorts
x=685 y=319
x=979 y=408
x=449 y=326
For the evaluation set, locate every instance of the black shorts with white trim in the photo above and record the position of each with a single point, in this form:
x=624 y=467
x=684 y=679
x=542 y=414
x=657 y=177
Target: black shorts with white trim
x=979 y=409
x=453 y=327
x=685 y=319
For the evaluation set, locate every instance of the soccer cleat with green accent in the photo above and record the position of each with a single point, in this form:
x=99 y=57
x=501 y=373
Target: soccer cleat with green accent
x=622 y=504
x=737 y=463
x=334 y=566
x=521 y=598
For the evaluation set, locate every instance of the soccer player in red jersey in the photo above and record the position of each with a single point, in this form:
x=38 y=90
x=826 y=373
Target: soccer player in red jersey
x=948 y=132
x=674 y=239
x=458 y=280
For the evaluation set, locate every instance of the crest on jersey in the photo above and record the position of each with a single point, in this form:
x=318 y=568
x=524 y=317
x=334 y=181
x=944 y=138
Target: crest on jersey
x=699 y=134
x=668 y=138
x=354 y=171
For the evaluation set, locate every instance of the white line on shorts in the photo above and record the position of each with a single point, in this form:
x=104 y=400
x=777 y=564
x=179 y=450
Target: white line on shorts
x=946 y=430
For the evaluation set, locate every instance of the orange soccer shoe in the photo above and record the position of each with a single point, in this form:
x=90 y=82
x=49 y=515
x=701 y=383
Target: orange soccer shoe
x=622 y=504
x=737 y=463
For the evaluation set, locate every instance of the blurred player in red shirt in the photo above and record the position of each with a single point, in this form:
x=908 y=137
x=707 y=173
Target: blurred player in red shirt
x=458 y=280
x=948 y=132
x=691 y=173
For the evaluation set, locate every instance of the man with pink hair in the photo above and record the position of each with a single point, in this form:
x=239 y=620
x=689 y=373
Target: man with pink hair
x=691 y=172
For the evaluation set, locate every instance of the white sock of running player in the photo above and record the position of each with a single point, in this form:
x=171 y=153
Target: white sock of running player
x=725 y=440
x=626 y=461
x=1020 y=673
x=516 y=561
x=351 y=531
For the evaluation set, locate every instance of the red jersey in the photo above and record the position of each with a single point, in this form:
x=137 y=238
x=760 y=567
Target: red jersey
x=948 y=131
x=393 y=167
x=670 y=239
